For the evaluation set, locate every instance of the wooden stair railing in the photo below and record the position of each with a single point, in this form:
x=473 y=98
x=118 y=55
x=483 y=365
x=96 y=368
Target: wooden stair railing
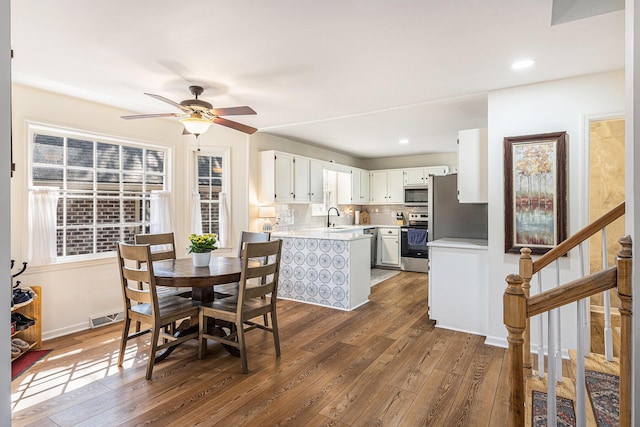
x=528 y=267
x=519 y=308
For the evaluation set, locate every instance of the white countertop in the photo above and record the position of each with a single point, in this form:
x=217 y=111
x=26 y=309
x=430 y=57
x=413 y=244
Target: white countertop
x=322 y=233
x=450 y=242
x=339 y=232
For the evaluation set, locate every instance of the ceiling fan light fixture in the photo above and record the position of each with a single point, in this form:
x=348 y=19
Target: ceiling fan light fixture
x=195 y=124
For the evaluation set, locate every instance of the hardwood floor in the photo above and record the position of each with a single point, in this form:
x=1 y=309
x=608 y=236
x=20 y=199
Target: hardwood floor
x=382 y=364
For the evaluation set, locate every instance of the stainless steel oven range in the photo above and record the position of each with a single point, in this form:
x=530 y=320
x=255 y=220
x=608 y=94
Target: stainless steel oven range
x=413 y=243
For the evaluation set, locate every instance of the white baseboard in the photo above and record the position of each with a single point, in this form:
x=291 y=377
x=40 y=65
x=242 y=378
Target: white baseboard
x=65 y=331
x=502 y=343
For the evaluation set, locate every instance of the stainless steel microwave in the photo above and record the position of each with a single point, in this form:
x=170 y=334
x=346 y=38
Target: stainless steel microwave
x=416 y=196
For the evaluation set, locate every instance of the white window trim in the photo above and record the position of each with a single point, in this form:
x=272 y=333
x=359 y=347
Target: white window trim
x=225 y=153
x=34 y=127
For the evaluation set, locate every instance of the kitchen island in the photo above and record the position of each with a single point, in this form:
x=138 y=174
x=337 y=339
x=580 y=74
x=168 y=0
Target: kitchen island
x=328 y=267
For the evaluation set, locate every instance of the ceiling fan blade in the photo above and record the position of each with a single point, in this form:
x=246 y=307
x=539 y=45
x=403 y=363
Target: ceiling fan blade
x=234 y=125
x=168 y=101
x=150 y=116
x=232 y=111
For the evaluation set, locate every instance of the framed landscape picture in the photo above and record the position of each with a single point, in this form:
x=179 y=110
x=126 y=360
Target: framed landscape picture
x=535 y=172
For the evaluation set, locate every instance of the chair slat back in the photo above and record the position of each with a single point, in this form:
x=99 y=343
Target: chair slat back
x=268 y=272
x=252 y=237
x=163 y=245
x=136 y=267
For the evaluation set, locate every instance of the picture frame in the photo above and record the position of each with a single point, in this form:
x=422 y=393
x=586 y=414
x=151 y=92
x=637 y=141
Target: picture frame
x=535 y=173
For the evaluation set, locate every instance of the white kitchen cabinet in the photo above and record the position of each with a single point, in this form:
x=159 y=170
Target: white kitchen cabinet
x=364 y=186
x=414 y=176
x=473 y=169
x=454 y=290
x=420 y=176
x=301 y=193
x=378 y=187
x=285 y=178
x=389 y=246
x=316 y=176
x=386 y=186
x=344 y=188
x=359 y=186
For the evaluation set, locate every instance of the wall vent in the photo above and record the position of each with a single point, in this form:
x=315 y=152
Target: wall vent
x=108 y=319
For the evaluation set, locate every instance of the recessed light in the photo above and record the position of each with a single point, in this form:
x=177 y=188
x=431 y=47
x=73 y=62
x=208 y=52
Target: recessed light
x=403 y=141
x=522 y=64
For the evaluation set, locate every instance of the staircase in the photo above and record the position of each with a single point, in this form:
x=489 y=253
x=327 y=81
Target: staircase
x=587 y=376
x=595 y=363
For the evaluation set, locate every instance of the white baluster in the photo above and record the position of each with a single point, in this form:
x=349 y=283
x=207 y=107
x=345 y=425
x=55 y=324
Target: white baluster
x=557 y=357
x=551 y=384
x=608 y=337
x=541 y=336
x=581 y=412
x=586 y=328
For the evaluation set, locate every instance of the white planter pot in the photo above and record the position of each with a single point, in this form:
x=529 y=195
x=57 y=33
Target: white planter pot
x=201 y=259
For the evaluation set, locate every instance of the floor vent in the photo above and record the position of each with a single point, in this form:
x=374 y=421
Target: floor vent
x=108 y=319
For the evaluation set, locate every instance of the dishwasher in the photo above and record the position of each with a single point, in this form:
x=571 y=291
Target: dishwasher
x=373 y=231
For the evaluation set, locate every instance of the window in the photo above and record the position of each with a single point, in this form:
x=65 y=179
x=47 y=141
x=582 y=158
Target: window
x=211 y=181
x=330 y=193
x=104 y=186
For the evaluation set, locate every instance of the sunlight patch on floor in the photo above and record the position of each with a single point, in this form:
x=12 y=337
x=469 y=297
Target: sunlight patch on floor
x=50 y=383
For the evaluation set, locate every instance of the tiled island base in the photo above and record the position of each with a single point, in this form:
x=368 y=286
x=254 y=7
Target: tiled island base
x=332 y=271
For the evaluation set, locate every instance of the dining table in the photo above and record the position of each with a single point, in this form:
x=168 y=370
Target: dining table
x=181 y=273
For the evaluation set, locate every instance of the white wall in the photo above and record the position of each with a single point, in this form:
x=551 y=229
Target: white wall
x=632 y=177
x=560 y=105
x=438 y=159
x=72 y=292
x=5 y=225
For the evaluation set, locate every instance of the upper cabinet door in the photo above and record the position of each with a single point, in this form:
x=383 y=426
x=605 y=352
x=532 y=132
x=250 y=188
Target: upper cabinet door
x=316 y=169
x=301 y=191
x=378 y=187
x=414 y=176
x=395 y=186
x=364 y=186
x=284 y=190
x=473 y=171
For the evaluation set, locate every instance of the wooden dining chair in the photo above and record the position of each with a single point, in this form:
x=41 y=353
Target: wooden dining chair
x=163 y=247
x=143 y=305
x=251 y=301
x=245 y=237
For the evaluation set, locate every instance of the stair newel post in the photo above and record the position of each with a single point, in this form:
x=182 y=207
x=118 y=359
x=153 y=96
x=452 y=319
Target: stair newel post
x=515 y=315
x=526 y=272
x=626 y=332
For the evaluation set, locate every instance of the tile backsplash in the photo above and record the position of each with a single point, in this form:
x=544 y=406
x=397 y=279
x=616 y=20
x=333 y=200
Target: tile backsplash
x=295 y=216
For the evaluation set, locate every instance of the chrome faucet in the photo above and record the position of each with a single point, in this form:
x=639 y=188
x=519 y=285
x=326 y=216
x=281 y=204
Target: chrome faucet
x=328 y=212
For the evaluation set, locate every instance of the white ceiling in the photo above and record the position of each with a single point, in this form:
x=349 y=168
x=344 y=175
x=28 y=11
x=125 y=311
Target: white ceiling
x=351 y=75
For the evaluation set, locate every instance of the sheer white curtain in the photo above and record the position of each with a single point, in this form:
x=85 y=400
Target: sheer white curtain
x=161 y=220
x=43 y=204
x=196 y=213
x=224 y=217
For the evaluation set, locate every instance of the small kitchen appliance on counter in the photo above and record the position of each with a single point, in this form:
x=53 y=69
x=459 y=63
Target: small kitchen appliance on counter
x=413 y=243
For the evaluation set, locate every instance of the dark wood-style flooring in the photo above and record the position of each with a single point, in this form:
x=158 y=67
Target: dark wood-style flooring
x=383 y=364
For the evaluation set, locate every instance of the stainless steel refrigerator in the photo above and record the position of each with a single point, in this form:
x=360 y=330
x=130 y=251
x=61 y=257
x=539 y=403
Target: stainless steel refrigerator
x=448 y=217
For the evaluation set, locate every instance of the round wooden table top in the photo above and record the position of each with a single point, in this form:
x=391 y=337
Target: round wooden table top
x=182 y=273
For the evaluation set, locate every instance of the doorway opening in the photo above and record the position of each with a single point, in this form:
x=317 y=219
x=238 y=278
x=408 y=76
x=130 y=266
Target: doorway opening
x=606 y=190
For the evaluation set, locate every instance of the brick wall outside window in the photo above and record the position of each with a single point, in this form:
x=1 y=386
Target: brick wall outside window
x=104 y=187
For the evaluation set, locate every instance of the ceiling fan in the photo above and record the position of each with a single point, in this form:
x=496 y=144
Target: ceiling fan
x=197 y=115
